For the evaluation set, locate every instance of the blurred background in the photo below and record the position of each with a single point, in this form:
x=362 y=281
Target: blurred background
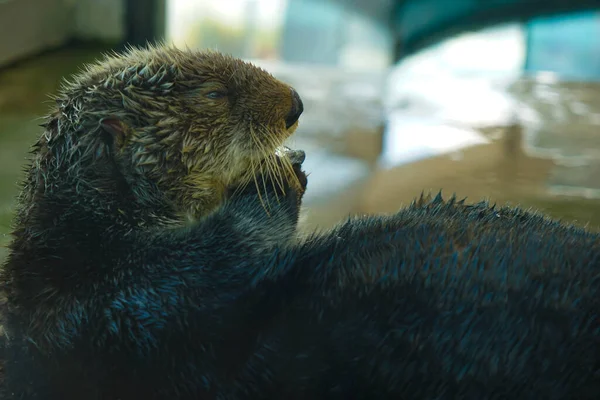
x=493 y=99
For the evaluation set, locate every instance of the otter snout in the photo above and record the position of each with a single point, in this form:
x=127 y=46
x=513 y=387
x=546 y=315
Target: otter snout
x=295 y=111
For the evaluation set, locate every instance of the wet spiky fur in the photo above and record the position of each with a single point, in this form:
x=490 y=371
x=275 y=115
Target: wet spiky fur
x=178 y=142
x=442 y=300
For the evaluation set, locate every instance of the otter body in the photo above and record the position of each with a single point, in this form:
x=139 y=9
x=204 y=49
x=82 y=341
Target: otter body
x=440 y=301
x=113 y=295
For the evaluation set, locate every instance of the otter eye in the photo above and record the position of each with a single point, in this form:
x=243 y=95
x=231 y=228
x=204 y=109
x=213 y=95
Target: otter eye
x=216 y=94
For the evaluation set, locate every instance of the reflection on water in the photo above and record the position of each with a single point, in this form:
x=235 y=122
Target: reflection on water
x=479 y=115
x=545 y=156
x=567 y=131
x=501 y=171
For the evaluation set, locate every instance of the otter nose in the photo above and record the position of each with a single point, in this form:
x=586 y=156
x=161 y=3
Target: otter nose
x=295 y=111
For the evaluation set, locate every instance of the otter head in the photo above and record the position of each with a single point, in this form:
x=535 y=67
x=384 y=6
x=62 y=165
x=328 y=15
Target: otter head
x=186 y=124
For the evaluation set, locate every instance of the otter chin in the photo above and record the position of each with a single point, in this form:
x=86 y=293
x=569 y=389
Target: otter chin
x=181 y=126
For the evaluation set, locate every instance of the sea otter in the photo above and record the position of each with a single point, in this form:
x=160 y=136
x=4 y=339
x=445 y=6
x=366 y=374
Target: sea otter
x=121 y=283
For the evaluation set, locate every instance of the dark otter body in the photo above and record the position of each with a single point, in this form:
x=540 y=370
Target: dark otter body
x=440 y=301
x=108 y=298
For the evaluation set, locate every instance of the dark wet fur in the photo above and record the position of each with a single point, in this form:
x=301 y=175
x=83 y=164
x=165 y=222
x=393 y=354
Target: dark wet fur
x=440 y=301
x=110 y=297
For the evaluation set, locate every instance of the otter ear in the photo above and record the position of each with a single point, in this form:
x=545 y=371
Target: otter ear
x=117 y=130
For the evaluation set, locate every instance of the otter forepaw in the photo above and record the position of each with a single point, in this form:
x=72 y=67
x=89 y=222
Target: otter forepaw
x=291 y=189
x=272 y=191
x=297 y=161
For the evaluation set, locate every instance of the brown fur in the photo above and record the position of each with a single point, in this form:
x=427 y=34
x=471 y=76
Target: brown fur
x=193 y=146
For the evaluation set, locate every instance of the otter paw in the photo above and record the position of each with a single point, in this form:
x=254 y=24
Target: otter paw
x=290 y=188
x=297 y=161
x=276 y=189
x=296 y=158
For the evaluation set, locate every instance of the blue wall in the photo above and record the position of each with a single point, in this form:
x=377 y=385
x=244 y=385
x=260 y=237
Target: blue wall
x=567 y=44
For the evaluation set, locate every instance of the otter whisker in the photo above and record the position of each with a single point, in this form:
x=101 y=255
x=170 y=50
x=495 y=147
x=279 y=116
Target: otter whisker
x=254 y=171
x=287 y=165
x=240 y=188
x=248 y=178
x=264 y=184
x=274 y=165
x=268 y=167
x=285 y=168
x=262 y=202
x=273 y=177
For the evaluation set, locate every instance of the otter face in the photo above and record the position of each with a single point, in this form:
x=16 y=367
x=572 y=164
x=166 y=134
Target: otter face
x=190 y=123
